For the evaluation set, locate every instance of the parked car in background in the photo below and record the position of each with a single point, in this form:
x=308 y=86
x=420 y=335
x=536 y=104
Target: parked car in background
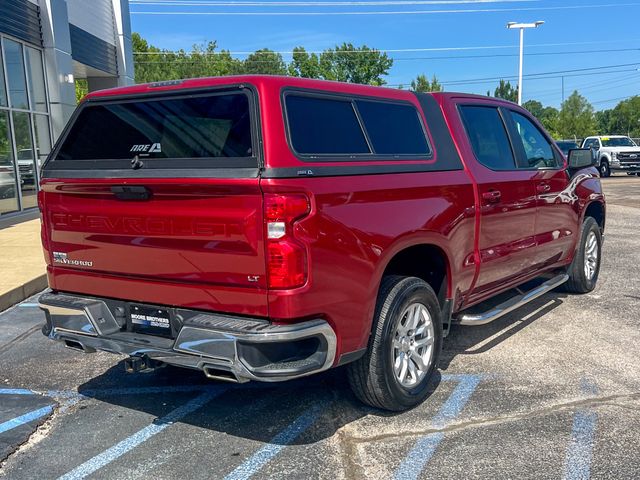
x=566 y=145
x=7 y=183
x=266 y=228
x=616 y=153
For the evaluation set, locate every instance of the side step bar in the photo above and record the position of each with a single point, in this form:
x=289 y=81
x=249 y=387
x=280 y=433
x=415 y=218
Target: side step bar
x=511 y=304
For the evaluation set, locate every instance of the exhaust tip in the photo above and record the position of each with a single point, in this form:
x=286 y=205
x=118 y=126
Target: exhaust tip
x=215 y=373
x=74 y=345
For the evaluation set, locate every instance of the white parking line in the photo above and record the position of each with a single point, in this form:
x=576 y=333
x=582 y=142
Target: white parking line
x=259 y=459
x=417 y=459
x=580 y=451
x=128 y=444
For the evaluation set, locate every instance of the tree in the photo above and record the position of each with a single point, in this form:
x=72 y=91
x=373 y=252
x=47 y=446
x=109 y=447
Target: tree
x=422 y=84
x=82 y=88
x=304 y=64
x=624 y=119
x=548 y=116
x=266 y=62
x=577 y=119
x=505 y=91
x=346 y=63
x=153 y=64
x=603 y=121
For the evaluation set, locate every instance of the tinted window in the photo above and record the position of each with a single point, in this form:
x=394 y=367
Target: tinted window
x=538 y=150
x=202 y=127
x=488 y=137
x=324 y=126
x=566 y=146
x=393 y=129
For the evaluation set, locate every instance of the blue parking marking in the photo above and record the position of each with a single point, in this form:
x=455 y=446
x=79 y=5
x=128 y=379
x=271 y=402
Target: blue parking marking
x=26 y=418
x=259 y=459
x=417 y=459
x=28 y=305
x=15 y=391
x=580 y=452
x=128 y=444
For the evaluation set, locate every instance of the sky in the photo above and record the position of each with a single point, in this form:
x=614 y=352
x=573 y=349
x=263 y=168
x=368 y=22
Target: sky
x=592 y=46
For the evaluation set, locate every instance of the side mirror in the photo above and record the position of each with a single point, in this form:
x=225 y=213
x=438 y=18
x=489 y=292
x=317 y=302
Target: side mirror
x=582 y=158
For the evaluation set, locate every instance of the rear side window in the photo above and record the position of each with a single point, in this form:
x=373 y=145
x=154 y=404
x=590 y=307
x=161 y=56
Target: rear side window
x=323 y=125
x=203 y=127
x=488 y=137
x=394 y=129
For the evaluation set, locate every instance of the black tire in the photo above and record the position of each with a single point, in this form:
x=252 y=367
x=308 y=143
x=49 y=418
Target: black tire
x=578 y=280
x=605 y=170
x=372 y=377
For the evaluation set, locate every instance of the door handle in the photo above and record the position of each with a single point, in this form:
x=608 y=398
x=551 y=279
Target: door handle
x=543 y=188
x=492 y=196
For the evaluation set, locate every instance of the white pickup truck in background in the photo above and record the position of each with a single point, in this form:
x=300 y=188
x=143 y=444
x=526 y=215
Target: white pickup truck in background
x=615 y=153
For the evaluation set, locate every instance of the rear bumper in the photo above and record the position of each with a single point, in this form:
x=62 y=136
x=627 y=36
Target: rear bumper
x=224 y=347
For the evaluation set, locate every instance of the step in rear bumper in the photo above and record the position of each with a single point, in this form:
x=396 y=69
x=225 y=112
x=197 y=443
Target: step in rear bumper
x=209 y=342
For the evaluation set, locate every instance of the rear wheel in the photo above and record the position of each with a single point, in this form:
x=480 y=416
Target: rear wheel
x=585 y=268
x=605 y=171
x=404 y=347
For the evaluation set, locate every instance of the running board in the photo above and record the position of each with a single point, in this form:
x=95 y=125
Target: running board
x=511 y=304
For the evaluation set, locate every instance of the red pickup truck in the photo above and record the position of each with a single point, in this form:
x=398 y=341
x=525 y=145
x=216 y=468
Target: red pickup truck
x=267 y=228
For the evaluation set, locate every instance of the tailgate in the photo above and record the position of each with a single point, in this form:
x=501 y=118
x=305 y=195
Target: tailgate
x=181 y=225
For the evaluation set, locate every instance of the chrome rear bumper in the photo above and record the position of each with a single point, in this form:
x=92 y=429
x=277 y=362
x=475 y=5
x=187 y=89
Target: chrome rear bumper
x=224 y=347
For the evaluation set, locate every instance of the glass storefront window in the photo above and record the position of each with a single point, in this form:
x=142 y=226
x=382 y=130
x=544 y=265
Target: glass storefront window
x=43 y=138
x=3 y=90
x=15 y=74
x=26 y=159
x=35 y=73
x=25 y=133
x=8 y=191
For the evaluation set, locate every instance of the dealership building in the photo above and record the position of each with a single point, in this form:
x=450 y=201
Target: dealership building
x=45 y=46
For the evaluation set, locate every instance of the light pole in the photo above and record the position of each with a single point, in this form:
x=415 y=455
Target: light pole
x=522 y=26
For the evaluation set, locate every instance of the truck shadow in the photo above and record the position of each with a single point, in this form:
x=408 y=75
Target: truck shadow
x=253 y=411
x=474 y=340
x=262 y=411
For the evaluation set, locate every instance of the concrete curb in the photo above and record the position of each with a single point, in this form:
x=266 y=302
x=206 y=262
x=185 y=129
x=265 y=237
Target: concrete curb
x=18 y=294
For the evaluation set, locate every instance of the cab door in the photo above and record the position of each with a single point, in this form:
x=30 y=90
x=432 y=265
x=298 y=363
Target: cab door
x=507 y=200
x=556 y=226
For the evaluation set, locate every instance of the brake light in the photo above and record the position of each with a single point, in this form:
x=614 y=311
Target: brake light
x=286 y=256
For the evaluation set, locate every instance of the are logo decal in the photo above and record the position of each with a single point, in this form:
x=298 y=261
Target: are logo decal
x=147 y=148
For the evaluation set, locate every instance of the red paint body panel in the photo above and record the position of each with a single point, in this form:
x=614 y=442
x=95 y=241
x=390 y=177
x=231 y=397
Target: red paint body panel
x=198 y=242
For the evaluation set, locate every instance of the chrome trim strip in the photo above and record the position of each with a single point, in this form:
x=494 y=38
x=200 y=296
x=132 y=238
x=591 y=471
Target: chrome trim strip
x=511 y=304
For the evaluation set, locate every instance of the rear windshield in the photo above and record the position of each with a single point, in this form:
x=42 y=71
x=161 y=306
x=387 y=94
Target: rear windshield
x=196 y=127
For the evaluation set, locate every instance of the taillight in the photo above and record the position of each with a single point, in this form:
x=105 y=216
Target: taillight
x=286 y=257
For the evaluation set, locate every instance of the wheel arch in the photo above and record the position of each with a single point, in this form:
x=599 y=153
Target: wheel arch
x=597 y=210
x=427 y=260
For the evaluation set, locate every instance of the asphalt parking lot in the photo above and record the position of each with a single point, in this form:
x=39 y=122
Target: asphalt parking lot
x=549 y=391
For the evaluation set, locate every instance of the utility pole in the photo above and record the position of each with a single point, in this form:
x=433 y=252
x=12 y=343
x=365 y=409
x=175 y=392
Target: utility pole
x=521 y=27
